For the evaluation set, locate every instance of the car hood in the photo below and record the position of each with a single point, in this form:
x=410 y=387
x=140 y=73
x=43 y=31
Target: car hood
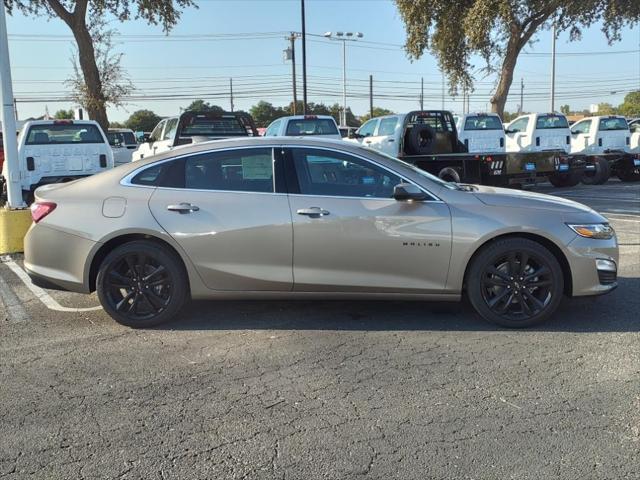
x=504 y=197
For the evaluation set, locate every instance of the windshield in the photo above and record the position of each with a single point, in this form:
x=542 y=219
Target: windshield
x=483 y=122
x=121 y=138
x=427 y=175
x=615 y=123
x=213 y=127
x=312 y=126
x=56 y=134
x=551 y=121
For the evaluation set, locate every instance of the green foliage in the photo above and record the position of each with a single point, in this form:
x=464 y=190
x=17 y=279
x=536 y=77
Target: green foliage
x=566 y=109
x=117 y=125
x=202 y=106
x=507 y=116
x=64 y=114
x=606 y=109
x=631 y=105
x=496 y=30
x=377 y=112
x=142 y=121
x=263 y=113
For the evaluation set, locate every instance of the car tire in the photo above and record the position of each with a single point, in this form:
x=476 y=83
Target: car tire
x=598 y=176
x=142 y=284
x=560 y=180
x=449 y=174
x=505 y=292
x=629 y=174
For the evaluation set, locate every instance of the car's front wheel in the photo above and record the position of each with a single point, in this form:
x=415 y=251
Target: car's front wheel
x=141 y=284
x=515 y=283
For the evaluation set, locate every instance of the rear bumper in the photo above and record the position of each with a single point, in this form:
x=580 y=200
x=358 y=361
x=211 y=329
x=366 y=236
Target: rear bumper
x=54 y=258
x=594 y=265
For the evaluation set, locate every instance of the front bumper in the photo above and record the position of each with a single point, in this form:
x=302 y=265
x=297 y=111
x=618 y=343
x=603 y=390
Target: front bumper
x=594 y=265
x=56 y=258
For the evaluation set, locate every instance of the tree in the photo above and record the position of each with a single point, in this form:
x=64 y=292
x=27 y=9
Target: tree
x=606 y=109
x=497 y=31
x=377 y=112
x=142 y=121
x=79 y=15
x=116 y=85
x=566 y=109
x=336 y=108
x=202 y=106
x=117 y=125
x=64 y=114
x=264 y=113
x=631 y=105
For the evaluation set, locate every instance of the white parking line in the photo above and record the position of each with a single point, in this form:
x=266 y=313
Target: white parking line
x=16 y=313
x=43 y=296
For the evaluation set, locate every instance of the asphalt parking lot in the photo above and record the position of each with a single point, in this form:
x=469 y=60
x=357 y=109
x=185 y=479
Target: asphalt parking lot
x=332 y=390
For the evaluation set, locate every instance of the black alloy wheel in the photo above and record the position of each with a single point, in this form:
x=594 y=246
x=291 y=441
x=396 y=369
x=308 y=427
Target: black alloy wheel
x=515 y=283
x=141 y=284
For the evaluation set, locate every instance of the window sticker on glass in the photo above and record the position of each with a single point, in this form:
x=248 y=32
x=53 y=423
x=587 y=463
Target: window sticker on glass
x=256 y=168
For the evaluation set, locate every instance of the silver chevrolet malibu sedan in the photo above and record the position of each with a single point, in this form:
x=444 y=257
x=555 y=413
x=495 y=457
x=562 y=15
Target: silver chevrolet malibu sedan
x=292 y=218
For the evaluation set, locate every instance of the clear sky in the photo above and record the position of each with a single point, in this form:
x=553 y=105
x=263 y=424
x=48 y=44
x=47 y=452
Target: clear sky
x=196 y=60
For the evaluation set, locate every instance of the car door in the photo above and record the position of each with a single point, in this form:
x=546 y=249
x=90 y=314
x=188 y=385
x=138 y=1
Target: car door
x=149 y=147
x=168 y=138
x=516 y=135
x=580 y=136
x=223 y=208
x=384 y=138
x=349 y=234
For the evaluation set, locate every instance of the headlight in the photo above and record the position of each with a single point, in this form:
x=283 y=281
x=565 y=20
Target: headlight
x=600 y=231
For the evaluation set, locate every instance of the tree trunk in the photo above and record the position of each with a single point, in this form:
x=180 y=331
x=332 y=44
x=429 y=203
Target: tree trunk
x=499 y=98
x=96 y=107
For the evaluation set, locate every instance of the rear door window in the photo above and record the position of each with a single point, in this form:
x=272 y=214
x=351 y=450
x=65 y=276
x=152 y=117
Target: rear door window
x=483 y=122
x=63 y=134
x=551 y=121
x=242 y=170
x=312 y=126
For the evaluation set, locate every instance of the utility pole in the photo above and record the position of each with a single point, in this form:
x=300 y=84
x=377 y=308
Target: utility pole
x=231 y=92
x=292 y=38
x=521 y=96
x=370 y=96
x=553 y=67
x=304 y=60
x=421 y=93
x=464 y=100
x=10 y=140
x=343 y=123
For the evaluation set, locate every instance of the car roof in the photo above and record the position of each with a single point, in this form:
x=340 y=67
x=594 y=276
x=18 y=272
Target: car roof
x=61 y=121
x=305 y=117
x=118 y=130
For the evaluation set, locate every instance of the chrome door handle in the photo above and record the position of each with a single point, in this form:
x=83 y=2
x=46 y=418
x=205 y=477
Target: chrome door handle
x=183 y=208
x=313 y=212
x=368 y=142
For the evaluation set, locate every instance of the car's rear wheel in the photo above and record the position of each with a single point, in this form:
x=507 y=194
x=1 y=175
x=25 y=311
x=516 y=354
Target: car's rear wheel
x=515 y=283
x=141 y=284
x=599 y=174
x=560 y=180
x=629 y=174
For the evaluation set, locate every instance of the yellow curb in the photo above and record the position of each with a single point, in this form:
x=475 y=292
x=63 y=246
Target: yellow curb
x=13 y=227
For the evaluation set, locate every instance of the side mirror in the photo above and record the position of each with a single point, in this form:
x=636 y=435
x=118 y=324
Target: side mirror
x=355 y=135
x=408 y=191
x=509 y=132
x=574 y=133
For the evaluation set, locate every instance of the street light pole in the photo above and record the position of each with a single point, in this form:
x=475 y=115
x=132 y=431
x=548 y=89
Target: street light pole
x=553 y=68
x=12 y=170
x=344 y=37
x=304 y=60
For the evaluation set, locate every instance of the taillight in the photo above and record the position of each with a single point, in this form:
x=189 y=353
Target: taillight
x=39 y=210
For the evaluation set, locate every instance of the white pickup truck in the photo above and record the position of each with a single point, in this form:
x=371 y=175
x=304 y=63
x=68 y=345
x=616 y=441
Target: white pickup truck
x=481 y=132
x=55 y=151
x=634 y=128
x=598 y=135
x=321 y=126
x=539 y=132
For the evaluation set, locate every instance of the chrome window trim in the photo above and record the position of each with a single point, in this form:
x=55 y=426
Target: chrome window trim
x=434 y=198
x=126 y=181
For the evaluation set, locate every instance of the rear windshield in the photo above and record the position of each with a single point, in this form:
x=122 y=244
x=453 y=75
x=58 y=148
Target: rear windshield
x=213 y=127
x=312 y=126
x=615 y=123
x=483 y=122
x=63 y=134
x=551 y=121
x=121 y=138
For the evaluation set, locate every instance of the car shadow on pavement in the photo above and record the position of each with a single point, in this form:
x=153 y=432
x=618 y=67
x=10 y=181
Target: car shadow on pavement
x=616 y=312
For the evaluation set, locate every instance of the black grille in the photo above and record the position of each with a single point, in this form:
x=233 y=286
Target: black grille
x=606 y=277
